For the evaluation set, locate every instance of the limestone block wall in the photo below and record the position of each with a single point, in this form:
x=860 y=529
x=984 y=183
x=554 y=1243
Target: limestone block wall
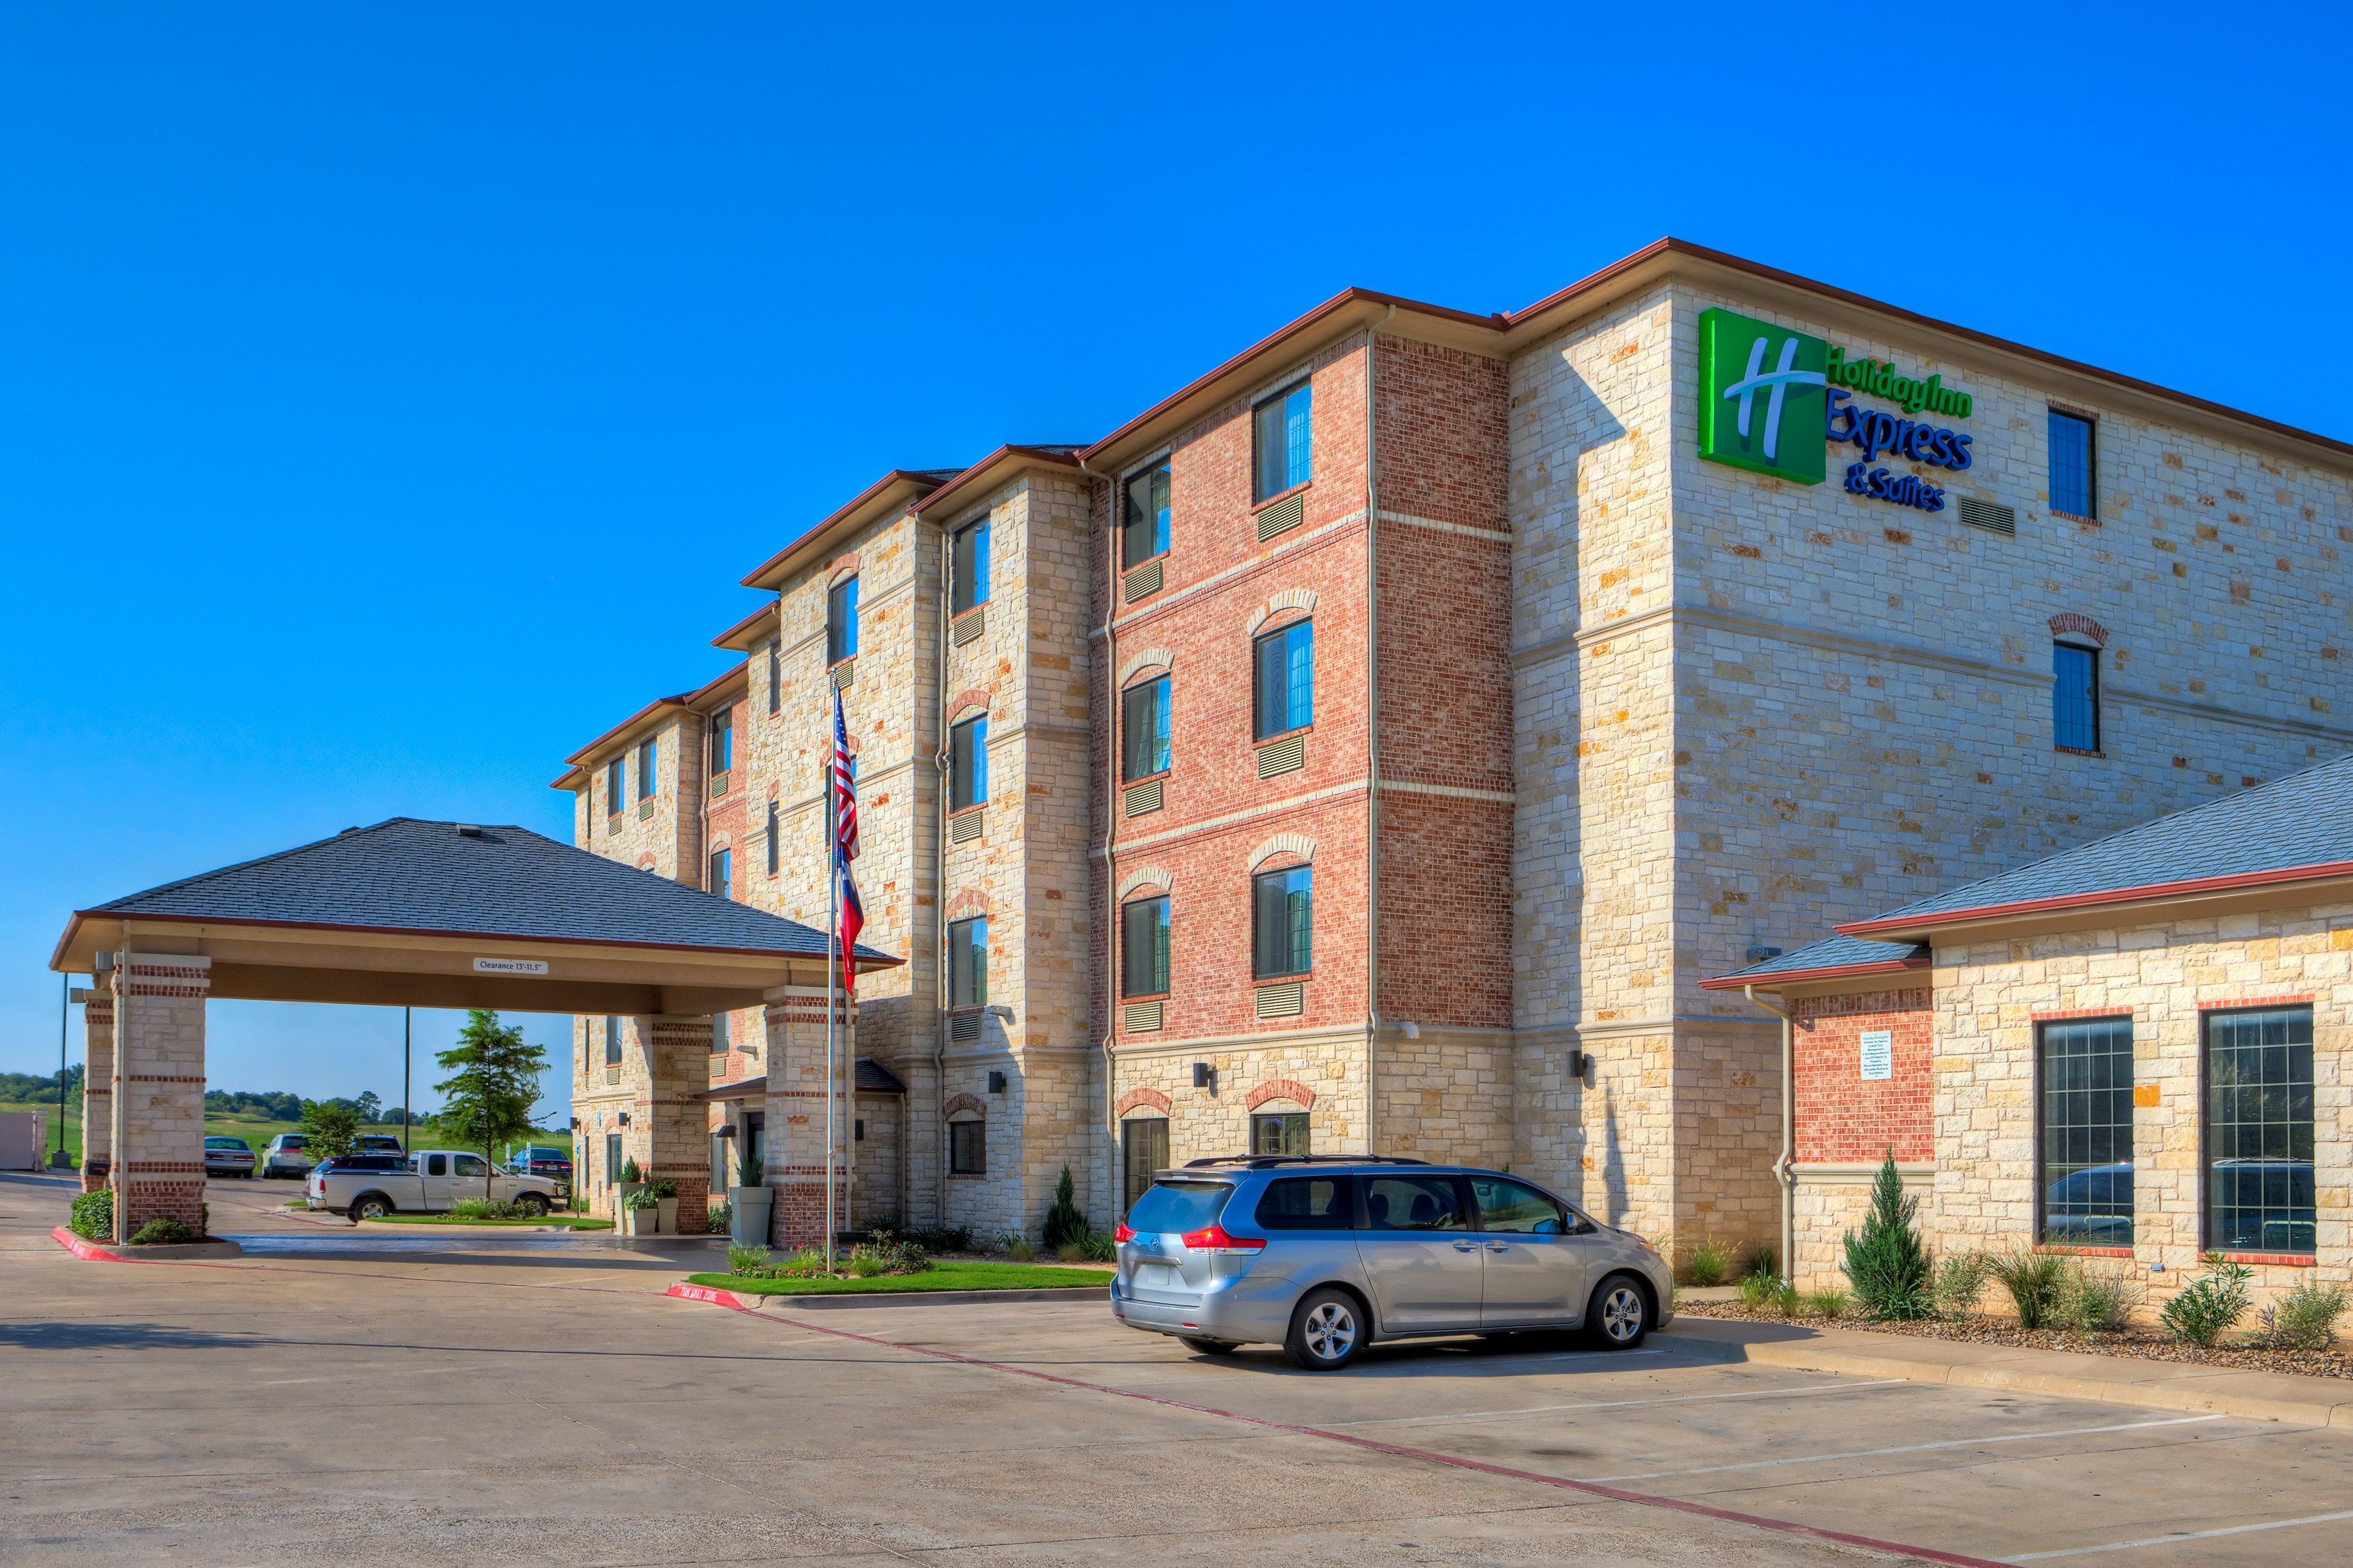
x=1446 y=1096
x=1319 y=1071
x=158 y=1101
x=1831 y=1199
x=97 y=1088
x=677 y=1125
x=795 y=1146
x=877 y=1188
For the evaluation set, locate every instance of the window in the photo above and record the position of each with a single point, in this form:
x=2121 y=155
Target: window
x=1514 y=1208
x=2259 y=1139
x=612 y=1042
x=1143 y=1150
x=648 y=767
x=2075 y=697
x=471 y=1166
x=1281 y=434
x=723 y=872
x=1178 y=1206
x=723 y=1032
x=1144 y=531
x=1412 y=1203
x=968 y=963
x=2086 y=1136
x=2072 y=471
x=968 y=568
x=775 y=841
x=1282 y=923
x=612 y=1159
x=968 y=764
x=616 y=786
x=1143 y=719
x=841 y=621
x=1285 y=696
x=1279 y=1132
x=722 y=740
x=1308 y=1203
x=775 y=675
x=1144 y=947
x=969 y=1148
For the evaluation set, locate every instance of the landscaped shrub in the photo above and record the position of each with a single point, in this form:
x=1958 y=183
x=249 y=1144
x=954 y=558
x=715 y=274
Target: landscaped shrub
x=747 y=1261
x=487 y=1208
x=1887 y=1263
x=629 y=1171
x=2038 y=1284
x=1758 y=1256
x=93 y=1216
x=163 y=1233
x=1758 y=1288
x=2305 y=1318
x=888 y=1256
x=2209 y=1305
x=1101 y=1248
x=1830 y=1302
x=1960 y=1280
x=2099 y=1302
x=721 y=1219
x=1708 y=1263
x=1064 y=1223
x=1016 y=1247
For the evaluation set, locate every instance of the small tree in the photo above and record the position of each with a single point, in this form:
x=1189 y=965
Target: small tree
x=1887 y=1263
x=1064 y=1223
x=493 y=1086
x=330 y=1126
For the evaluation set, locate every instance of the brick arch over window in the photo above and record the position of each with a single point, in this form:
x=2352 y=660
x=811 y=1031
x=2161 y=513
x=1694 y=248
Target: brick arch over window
x=1151 y=1098
x=969 y=902
x=1150 y=659
x=1280 y=604
x=1289 y=1089
x=1152 y=877
x=2080 y=625
x=1297 y=844
x=843 y=567
x=962 y=1103
x=965 y=701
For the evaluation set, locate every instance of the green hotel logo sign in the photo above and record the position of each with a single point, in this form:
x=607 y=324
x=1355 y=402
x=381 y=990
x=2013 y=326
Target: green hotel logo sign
x=1763 y=399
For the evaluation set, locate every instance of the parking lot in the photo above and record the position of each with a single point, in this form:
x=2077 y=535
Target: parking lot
x=538 y=1399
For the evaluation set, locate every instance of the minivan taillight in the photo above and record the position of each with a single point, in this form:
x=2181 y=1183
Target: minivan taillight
x=1215 y=1241
x=1122 y=1234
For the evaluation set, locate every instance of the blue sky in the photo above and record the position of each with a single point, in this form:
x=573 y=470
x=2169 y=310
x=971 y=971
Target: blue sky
x=390 y=397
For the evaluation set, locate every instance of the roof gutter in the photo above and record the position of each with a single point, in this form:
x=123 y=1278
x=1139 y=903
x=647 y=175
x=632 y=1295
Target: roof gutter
x=1915 y=927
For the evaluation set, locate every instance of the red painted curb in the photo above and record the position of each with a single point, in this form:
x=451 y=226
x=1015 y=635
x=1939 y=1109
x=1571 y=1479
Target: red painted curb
x=90 y=1250
x=1645 y=1499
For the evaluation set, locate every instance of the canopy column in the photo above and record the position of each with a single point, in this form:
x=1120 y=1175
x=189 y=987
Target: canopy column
x=795 y=1153
x=677 y=1134
x=158 y=1101
x=96 y=1086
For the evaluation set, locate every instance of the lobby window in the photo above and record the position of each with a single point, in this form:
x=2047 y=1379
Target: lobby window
x=1144 y=1152
x=841 y=621
x=2259 y=1135
x=612 y=1158
x=723 y=872
x=969 y=569
x=1284 y=698
x=612 y=1041
x=2072 y=473
x=723 y=1035
x=1143 y=533
x=1144 y=947
x=616 y=786
x=2086 y=1175
x=722 y=740
x=2075 y=697
x=1283 y=910
x=1279 y=1134
x=776 y=845
x=968 y=764
x=969 y=1148
x=649 y=768
x=775 y=675
x=1143 y=728
x=969 y=963
x=1285 y=450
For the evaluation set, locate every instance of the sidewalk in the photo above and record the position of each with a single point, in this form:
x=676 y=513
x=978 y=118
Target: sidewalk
x=2115 y=1380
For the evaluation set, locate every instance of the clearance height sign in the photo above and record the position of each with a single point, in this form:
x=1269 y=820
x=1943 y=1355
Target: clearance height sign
x=1765 y=390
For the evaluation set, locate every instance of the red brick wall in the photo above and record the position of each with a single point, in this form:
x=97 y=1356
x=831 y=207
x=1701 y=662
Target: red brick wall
x=1840 y=1118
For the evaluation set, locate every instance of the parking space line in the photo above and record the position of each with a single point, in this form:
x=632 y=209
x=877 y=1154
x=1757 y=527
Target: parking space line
x=728 y=1299
x=1912 y=1448
x=2181 y=1537
x=1627 y=1404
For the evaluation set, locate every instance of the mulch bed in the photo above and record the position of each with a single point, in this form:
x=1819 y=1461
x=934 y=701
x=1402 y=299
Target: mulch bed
x=2139 y=1344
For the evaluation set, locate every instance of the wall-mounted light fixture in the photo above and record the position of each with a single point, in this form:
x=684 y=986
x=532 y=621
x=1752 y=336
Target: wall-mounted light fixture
x=625 y=1119
x=1205 y=1077
x=997 y=1083
x=1580 y=1066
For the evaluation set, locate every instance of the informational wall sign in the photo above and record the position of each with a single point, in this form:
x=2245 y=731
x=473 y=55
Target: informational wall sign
x=508 y=966
x=1878 y=1054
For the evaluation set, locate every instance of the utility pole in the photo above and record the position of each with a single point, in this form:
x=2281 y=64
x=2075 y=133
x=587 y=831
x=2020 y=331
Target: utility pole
x=405 y=1051
x=64 y=1006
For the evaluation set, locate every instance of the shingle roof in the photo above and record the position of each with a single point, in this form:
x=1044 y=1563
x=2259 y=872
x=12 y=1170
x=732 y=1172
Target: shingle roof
x=407 y=875
x=1837 y=952
x=2303 y=823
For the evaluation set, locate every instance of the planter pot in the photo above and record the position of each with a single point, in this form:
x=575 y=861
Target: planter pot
x=621 y=1191
x=750 y=1225
x=638 y=1222
x=667 y=1209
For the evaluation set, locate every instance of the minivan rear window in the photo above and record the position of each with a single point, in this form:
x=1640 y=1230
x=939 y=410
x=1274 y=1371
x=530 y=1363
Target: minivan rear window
x=1307 y=1203
x=1178 y=1207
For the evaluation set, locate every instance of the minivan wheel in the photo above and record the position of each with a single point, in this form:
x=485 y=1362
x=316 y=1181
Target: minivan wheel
x=1207 y=1347
x=1327 y=1332
x=1619 y=1316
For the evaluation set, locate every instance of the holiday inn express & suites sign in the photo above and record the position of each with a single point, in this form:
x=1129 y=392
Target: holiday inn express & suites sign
x=1766 y=390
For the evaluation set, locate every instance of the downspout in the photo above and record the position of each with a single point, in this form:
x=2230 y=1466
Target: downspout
x=940 y=896
x=1372 y=747
x=1111 y=822
x=1785 y=1164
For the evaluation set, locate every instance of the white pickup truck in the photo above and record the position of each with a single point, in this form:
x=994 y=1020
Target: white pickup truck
x=369 y=1186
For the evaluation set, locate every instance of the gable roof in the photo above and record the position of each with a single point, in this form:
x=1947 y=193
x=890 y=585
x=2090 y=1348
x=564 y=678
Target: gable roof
x=2297 y=829
x=900 y=487
x=1832 y=958
x=422 y=877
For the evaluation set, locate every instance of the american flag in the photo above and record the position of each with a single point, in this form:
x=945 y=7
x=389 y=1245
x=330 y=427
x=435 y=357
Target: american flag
x=844 y=787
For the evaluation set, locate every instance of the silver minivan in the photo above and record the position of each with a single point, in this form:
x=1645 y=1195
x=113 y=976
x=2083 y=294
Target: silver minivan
x=1325 y=1254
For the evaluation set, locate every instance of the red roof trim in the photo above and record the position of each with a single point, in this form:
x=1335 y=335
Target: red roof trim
x=712 y=688
x=1829 y=972
x=1003 y=456
x=767 y=610
x=2146 y=892
x=927 y=478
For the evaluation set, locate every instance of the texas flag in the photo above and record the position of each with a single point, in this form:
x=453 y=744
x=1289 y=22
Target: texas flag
x=853 y=920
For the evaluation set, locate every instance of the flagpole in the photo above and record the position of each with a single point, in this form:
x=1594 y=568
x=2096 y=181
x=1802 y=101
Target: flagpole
x=833 y=980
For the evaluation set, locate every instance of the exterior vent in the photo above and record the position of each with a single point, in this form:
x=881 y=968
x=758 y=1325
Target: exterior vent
x=965 y=828
x=1287 y=1000
x=645 y=811
x=1143 y=1018
x=612 y=1074
x=1986 y=515
x=844 y=673
x=1283 y=757
x=968 y=625
x=964 y=1026
x=1145 y=579
x=1140 y=799
x=1280 y=516
x=719 y=783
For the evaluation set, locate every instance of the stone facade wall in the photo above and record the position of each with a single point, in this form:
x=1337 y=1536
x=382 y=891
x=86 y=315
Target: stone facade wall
x=158 y=1101
x=677 y=1053
x=97 y=1088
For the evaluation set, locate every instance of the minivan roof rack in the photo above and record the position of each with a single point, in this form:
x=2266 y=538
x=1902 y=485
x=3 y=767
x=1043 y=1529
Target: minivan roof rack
x=1266 y=1161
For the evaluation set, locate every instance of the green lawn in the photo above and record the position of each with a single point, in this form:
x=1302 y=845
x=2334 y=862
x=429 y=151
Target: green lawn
x=256 y=1132
x=941 y=1277
x=570 y=1221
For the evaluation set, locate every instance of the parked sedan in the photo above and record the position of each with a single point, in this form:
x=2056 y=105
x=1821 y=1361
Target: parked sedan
x=287 y=1155
x=228 y=1157
x=552 y=1163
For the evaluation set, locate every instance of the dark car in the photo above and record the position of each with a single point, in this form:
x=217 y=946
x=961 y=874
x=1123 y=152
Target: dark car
x=554 y=1163
x=2261 y=1206
x=2089 y=1207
